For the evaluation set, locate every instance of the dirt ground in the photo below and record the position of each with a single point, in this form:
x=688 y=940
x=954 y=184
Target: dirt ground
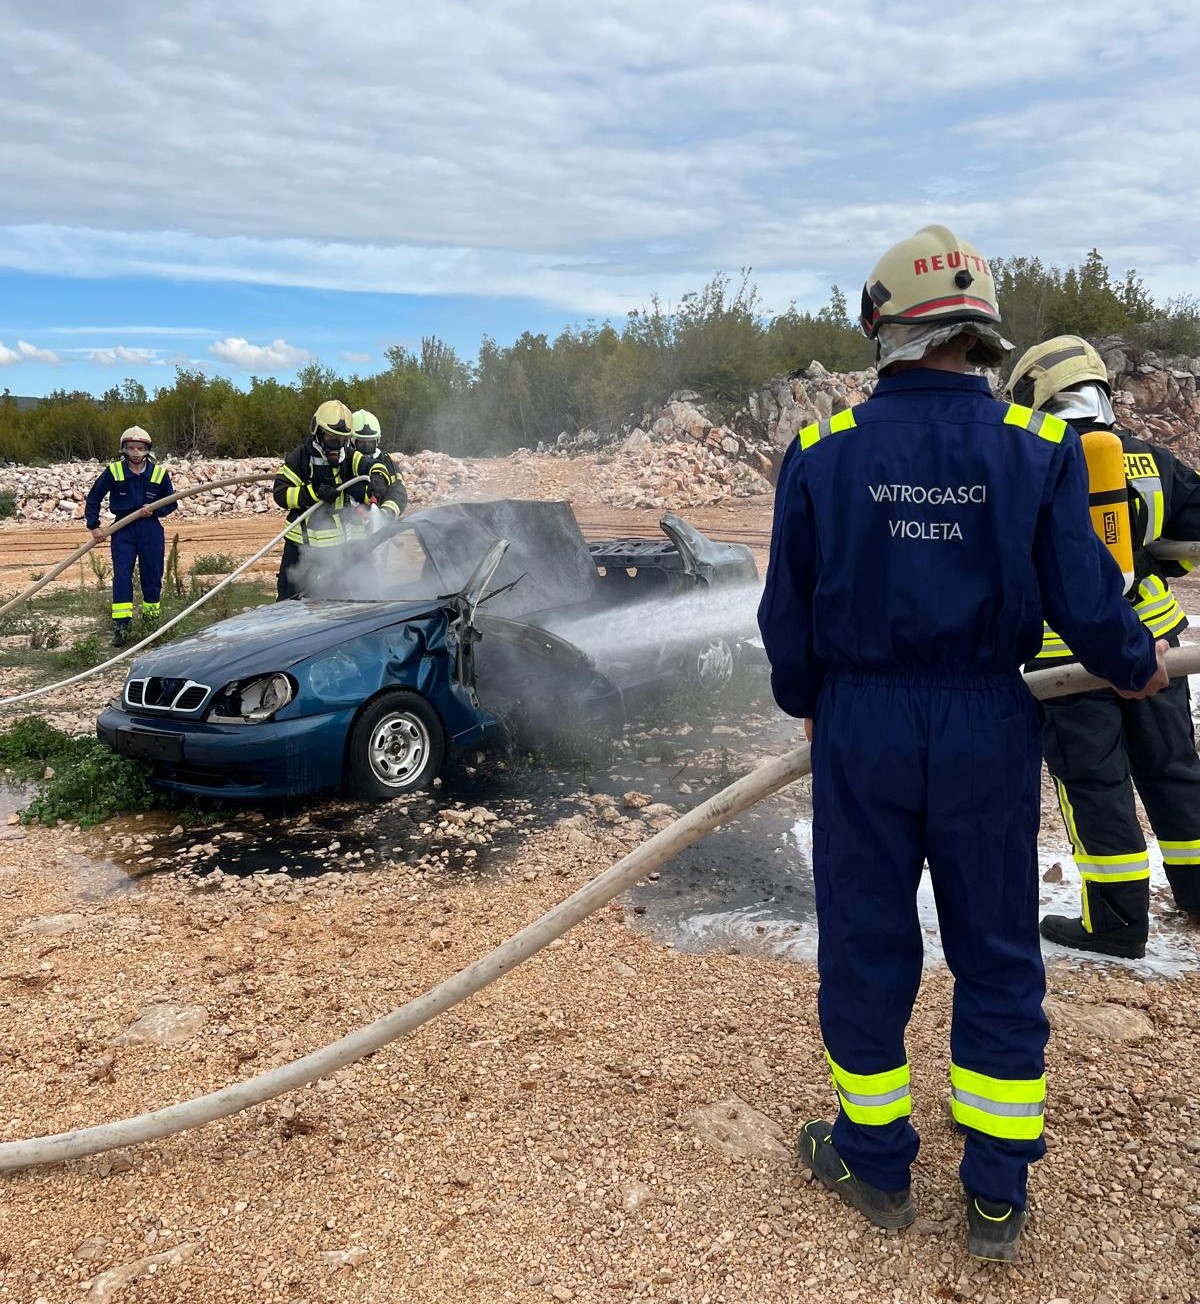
x=28 y=550
x=613 y=1121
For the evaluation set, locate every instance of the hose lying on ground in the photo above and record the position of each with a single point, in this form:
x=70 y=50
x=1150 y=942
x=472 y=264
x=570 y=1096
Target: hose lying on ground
x=769 y=778
x=166 y=625
x=114 y=526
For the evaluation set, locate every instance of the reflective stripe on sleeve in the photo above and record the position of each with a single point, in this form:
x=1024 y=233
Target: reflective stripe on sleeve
x=291 y=495
x=830 y=426
x=872 y=1098
x=1012 y=1109
x=1041 y=424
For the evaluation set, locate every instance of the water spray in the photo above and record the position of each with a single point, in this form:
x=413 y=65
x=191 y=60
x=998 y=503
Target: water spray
x=169 y=624
x=767 y=779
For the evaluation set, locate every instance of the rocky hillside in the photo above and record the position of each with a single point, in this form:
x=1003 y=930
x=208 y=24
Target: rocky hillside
x=676 y=456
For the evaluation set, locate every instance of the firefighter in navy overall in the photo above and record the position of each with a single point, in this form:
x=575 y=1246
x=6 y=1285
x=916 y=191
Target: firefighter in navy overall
x=315 y=473
x=918 y=539
x=387 y=491
x=1099 y=747
x=133 y=484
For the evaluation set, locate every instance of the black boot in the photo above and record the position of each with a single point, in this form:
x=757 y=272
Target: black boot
x=993 y=1230
x=1114 y=941
x=121 y=632
x=1118 y=916
x=1185 y=888
x=890 y=1209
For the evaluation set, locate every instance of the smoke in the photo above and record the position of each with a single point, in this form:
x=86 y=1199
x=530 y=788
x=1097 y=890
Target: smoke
x=350 y=571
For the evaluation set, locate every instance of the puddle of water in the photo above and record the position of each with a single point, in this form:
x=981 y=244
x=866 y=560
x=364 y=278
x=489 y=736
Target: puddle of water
x=14 y=797
x=762 y=904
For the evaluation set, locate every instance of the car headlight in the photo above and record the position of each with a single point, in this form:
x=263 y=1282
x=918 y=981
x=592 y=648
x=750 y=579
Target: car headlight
x=250 y=701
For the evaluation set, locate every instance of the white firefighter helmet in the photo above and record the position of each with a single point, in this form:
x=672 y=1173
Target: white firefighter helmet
x=933 y=277
x=135 y=434
x=1047 y=369
x=366 y=430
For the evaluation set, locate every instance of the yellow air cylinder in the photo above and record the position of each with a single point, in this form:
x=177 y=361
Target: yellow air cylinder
x=1109 y=497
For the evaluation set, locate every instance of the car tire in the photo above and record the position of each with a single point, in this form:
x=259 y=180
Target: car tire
x=397 y=745
x=712 y=665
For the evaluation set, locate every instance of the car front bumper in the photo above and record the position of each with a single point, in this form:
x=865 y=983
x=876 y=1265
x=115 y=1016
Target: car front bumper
x=277 y=758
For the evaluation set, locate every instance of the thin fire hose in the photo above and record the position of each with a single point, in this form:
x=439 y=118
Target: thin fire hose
x=166 y=625
x=112 y=528
x=769 y=778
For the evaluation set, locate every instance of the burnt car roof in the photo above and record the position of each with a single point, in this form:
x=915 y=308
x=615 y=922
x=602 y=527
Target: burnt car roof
x=547 y=555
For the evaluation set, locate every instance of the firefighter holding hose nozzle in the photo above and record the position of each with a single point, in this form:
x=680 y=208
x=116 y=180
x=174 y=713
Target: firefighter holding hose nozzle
x=315 y=472
x=918 y=540
x=135 y=481
x=1099 y=747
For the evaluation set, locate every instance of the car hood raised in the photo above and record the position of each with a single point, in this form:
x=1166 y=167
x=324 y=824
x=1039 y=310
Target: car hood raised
x=274 y=637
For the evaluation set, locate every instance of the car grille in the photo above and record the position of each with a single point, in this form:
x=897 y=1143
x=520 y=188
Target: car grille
x=159 y=693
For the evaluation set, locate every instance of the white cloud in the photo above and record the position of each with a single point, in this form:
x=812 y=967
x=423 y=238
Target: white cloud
x=276 y=356
x=122 y=353
x=208 y=143
x=25 y=352
x=359 y=359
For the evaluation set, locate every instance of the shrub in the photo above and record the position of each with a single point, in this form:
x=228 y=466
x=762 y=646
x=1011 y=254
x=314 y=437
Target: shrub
x=32 y=744
x=90 y=784
x=8 y=504
x=217 y=563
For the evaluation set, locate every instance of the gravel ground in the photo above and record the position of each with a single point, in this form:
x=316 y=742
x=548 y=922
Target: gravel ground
x=538 y=1142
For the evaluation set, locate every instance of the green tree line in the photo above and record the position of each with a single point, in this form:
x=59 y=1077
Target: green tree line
x=718 y=341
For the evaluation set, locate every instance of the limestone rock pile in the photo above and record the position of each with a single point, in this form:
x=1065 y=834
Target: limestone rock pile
x=57 y=492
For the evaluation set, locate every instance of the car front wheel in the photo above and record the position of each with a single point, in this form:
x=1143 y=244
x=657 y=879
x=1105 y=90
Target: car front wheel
x=397 y=745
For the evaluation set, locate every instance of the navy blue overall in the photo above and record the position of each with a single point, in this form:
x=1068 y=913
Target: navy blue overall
x=919 y=539
x=140 y=541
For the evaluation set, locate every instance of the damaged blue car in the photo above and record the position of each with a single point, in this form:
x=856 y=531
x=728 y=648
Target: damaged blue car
x=456 y=625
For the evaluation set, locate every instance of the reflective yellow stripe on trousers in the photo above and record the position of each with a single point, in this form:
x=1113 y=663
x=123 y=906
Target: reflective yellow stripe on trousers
x=1012 y=1109
x=1180 y=853
x=872 y=1098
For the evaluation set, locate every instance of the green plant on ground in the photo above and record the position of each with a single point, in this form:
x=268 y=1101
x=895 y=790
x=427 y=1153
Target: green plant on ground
x=8 y=504
x=100 y=569
x=83 y=654
x=216 y=563
x=87 y=782
x=30 y=744
x=172 y=578
x=43 y=632
x=90 y=784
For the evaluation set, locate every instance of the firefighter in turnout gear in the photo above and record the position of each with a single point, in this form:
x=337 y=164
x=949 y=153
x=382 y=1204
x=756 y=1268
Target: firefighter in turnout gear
x=917 y=540
x=387 y=488
x=1098 y=747
x=132 y=483
x=315 y=473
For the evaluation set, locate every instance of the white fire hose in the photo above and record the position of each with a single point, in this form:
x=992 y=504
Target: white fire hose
x=114 y=526
x=769 y=778
x=169 y=624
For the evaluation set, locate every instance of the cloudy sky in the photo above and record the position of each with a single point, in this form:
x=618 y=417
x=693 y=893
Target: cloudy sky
x=247 y=187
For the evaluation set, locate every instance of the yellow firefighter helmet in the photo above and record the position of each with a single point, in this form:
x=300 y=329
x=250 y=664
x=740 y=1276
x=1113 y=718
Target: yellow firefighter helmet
x=1047 y=369
x=332 y=418
x=366 y=430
